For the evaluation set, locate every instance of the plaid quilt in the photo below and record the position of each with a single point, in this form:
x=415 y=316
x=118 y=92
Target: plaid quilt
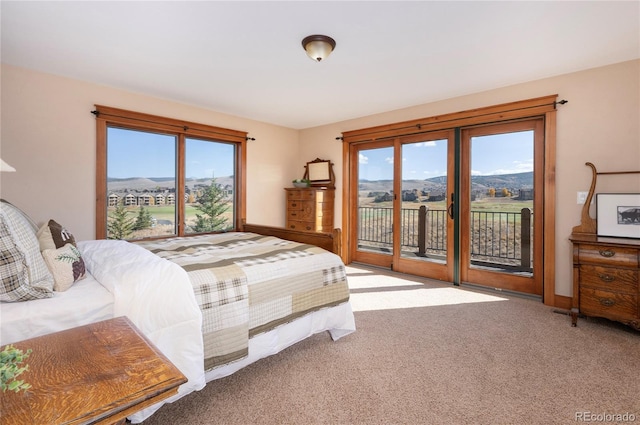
x=246 y=284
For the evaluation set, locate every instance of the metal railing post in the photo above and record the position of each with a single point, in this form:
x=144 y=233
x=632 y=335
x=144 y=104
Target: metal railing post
x=525 y=238
x=422 y=230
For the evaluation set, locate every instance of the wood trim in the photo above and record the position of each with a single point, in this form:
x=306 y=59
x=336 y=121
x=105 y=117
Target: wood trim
x=240 y=196
x=107 y=116
x=101 y=179
x=397 y=205
x=346 y=202
x=180 y=192
x=170 y=125
x=497 y=113
x=549 y=296
x=561 y=301
x=330 y=241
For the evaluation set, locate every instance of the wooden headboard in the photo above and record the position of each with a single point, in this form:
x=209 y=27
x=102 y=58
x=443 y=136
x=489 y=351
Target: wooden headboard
x=329 y=241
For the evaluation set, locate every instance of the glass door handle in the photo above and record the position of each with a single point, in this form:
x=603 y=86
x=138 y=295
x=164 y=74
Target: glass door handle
x=450 y=208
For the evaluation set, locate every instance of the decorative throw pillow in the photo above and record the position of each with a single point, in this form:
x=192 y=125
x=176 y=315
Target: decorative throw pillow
x=66 y=265
x=23 y=272
x=53 y=236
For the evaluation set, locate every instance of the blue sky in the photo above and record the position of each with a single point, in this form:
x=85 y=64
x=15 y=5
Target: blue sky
x=143 y=154
x=497 y=154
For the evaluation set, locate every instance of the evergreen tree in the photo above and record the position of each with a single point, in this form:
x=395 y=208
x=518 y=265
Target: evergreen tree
x=143 y=221
x=119 y=224
x=212 y=205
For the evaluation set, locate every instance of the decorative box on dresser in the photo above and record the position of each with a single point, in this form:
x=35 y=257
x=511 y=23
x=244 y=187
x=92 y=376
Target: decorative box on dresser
x=310 y=209
x=605 y=278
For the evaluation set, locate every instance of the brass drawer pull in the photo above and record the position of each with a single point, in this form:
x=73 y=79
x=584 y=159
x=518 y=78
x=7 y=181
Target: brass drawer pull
x=607 y=302
x=607 y=253
x=295 y=205
x=606 y=277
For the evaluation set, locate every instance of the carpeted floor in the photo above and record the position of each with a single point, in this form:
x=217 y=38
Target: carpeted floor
x=430 y=353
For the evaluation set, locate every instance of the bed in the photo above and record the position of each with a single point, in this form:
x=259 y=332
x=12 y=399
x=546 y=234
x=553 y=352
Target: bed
x=211 y=303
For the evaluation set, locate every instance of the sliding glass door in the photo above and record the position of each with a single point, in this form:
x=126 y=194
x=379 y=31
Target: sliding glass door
x=374 y=203
x=501 y=218
x=456 y=205
x=404 y=184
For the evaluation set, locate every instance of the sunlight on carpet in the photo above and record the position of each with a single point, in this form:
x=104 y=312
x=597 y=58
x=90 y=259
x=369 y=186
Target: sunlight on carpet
x=373 y=290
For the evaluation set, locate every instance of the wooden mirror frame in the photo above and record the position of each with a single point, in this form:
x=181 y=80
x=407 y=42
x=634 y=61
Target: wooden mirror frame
x=319 y=172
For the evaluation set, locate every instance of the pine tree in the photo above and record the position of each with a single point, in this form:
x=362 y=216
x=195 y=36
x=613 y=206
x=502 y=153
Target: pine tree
x=119 y=224
x=212 y=205
x=143 y=221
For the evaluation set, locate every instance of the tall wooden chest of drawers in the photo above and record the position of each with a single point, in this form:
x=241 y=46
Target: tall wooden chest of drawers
x=606 y=278
x=310 y=209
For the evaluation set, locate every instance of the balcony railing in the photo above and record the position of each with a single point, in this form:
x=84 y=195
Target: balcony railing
x=497 y=239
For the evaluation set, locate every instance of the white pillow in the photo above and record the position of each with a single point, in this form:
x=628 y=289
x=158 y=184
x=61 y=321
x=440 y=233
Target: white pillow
x=19 y=238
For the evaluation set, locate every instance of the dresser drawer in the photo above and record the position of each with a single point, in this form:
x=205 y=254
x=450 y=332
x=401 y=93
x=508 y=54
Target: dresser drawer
x=298 y=205
x=304 y=195
x=300 y=225
x=294 y=194
x=608 y=304
x=304 y=213
x=609 y=278
x=610 y=256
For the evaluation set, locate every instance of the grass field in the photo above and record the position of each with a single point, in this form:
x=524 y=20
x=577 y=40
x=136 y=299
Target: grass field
x=165 y=216
x=486 y=204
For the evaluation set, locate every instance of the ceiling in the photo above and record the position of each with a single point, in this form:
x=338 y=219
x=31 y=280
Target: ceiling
x=245 y=58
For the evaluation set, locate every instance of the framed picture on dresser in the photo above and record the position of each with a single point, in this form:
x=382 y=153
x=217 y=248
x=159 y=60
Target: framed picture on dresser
x=618 y=215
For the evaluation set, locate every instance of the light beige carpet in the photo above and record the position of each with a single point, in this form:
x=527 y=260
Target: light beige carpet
x=430 y=353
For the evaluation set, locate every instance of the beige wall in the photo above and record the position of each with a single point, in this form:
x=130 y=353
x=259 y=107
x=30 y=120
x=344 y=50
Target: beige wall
x=48 y=135
x=600 y=124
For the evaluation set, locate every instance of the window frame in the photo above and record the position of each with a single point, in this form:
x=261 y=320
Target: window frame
x=113 y=117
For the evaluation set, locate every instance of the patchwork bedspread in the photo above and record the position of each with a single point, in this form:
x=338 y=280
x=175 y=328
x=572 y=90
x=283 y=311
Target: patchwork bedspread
x=246 y=284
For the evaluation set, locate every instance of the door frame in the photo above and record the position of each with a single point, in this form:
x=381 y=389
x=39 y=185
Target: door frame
x=416 y=267
x=350 y=249
x=531 y=108
x=490 y=278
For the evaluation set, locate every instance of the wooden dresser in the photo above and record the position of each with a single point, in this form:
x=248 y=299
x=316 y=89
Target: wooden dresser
x=310 y=209
x=605 y=278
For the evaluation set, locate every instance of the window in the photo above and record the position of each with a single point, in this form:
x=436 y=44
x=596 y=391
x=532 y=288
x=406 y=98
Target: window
x=159 y=177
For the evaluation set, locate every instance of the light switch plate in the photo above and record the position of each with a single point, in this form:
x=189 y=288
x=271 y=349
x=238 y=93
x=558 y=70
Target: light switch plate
x=582 y=197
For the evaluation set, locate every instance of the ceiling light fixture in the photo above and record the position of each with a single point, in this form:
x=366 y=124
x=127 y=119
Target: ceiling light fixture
x=318 y=47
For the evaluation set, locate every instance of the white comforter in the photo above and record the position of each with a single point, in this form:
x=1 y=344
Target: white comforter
x=158 y=298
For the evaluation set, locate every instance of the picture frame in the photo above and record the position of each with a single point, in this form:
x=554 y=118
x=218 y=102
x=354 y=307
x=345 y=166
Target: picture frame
x=618 y=215
x=319 y=172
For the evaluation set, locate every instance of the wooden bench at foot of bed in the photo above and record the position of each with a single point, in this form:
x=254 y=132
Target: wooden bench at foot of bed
x=329 y=241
